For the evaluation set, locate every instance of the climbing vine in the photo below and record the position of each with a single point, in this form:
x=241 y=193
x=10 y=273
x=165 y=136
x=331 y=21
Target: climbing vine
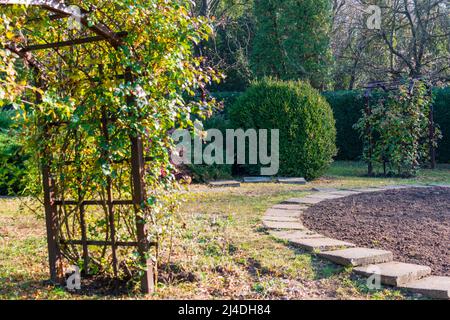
x=396 y=129
x=75 y=109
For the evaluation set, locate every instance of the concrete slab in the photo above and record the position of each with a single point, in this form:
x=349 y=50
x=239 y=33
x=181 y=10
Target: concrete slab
x=358 y=256
x=322 y=244
x=326 y=196
x=419 y=186
x=324 y=189
x=281 y=219
x=296 y=207
x=291 y=180
x=346 y=193
x=284 y=225
x=395 y=273
x=395 y=187
x=440 y=185
x=295 y=235
x=433 y=287
x=258 y=179
x=224 y=184
x=305 y=200
x=283 y=213
x=368 y=190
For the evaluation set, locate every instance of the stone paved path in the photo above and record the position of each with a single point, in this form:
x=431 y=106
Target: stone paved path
x=284 y=222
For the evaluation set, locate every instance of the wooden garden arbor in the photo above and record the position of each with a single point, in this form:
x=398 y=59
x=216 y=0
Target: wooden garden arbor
x=387 y=86
x=53 y=200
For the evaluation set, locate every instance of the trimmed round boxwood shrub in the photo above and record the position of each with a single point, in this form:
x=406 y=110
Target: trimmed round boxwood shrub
x=304 y=118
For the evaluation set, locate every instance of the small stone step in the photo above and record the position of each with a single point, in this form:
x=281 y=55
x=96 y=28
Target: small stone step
x=440 y=185
x=258 y=179
x=395 y=273
x=433 y=287
x=322 y=244
x=400 y=187
x=281 y=219
x=291 y=180
x=346 y=193
x=283 y=225
x=326 y=196
x=358 y=256
x=283 y=213
x=296 y=207
x=295 y=235
x=305 y=200
x=324 y=189
x=224 y=184
x=418 y=186
x=368 y=190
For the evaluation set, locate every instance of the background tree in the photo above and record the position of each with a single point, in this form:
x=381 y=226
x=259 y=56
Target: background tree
x=292 y=40
x=228 y=49
x=326 y=42
x=416 y=36
x=348 y=43
x=413 y=41
x=267 y=58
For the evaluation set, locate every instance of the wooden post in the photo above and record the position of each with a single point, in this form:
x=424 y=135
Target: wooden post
x=51 y=213
x=51 y=221
x=369 y=135
x=138 y=171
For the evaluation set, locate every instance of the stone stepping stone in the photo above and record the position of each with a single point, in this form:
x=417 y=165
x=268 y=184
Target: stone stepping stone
x=395 y=273
x=295 y=235
x=326 y=196
x=418 y=186
x=296 y=207
x=225 y=184
x=306 y=200
x=433 y=287
x=283 y=213
x=440 y=185
x=395 y=187
x=324 y=189
x=322 y=244
x=346 y=193
x=358 y=256
x=281 y=219
x=284 y=225
x=291 y=180
x=367 y=190
x=258 y=179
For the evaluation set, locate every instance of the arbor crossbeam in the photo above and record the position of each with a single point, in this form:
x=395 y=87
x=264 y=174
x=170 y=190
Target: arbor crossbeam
x=63 y=10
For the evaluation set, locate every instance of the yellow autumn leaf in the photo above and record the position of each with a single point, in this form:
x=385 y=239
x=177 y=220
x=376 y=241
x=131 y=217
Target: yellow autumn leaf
x=10 y=35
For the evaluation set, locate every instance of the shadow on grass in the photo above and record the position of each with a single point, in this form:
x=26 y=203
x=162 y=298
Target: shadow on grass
x=321 y=268
x=12 y=287
x=15 y=286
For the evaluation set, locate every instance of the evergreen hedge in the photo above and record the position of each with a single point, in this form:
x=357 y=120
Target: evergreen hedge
x=348 y=107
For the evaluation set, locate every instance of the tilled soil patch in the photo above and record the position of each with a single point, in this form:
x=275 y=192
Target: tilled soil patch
x=412 y=223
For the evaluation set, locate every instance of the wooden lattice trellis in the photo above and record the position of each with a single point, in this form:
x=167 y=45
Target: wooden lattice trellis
x=54 y=201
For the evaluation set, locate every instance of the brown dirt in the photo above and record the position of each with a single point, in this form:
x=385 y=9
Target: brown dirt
x=414 y=224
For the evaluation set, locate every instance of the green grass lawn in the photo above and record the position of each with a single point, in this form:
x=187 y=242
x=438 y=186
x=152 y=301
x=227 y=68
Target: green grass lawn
x=219 y=249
